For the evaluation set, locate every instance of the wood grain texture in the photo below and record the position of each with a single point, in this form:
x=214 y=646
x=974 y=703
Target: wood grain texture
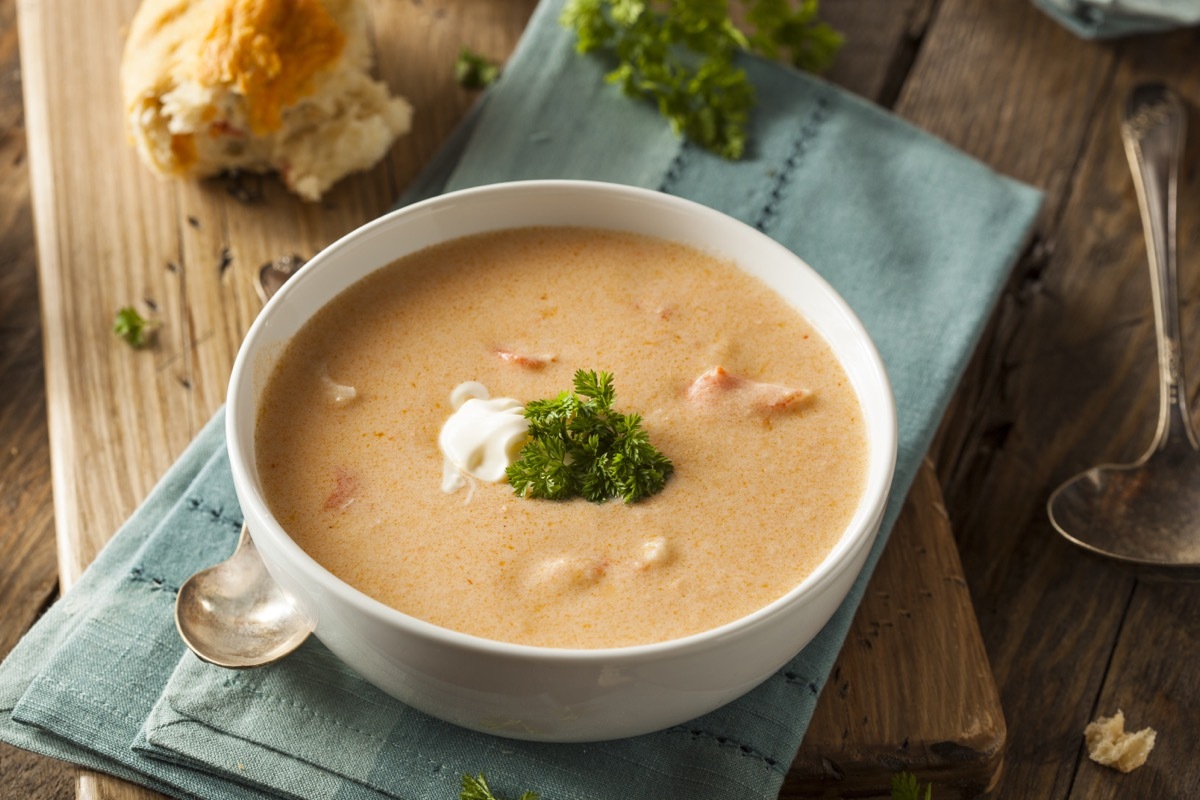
x=1151 y=674
x=185 y=254
x=27 y=581
x=915 y=637
x=1161 y=627
x=1032 y=124
x=1063 y=379
x=882 y=37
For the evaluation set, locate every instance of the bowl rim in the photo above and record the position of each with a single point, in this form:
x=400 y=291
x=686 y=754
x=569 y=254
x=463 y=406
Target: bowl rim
x=882 y=450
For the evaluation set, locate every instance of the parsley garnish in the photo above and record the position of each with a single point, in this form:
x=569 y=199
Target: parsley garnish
x=579 y=446
x=474 y=71
x=133 y=327
x=682 y=57
x=905 y=786
x=476 y=788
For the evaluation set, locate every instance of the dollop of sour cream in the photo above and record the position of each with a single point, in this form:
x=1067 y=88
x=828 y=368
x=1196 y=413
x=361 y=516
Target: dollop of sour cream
x=482 y=437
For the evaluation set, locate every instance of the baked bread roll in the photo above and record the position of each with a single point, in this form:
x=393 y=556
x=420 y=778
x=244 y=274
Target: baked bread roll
x=258 y=85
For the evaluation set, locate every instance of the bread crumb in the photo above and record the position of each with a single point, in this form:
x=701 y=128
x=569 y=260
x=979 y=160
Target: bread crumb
x=1110 y=745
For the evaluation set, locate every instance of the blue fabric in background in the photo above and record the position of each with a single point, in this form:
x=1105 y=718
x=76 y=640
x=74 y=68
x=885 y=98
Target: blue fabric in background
x=916 y=236
x=1113 y=19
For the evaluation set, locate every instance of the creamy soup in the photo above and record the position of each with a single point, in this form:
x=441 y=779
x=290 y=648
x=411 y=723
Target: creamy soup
x=747 y=400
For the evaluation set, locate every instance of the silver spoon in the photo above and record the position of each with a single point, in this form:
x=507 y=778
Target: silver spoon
x=1147 y=514
x=233 y=614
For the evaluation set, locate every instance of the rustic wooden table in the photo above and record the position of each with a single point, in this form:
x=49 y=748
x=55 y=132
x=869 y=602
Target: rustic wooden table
x=1064 y=377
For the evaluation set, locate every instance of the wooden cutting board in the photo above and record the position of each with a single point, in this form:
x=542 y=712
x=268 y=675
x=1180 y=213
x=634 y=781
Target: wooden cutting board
x=912 y=689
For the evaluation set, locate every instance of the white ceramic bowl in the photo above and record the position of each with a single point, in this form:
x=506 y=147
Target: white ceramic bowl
x=543 y=693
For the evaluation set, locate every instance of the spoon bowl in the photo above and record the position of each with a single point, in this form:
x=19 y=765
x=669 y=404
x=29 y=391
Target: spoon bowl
x=1136 y=513
x=233 y=614
x=1144 y=514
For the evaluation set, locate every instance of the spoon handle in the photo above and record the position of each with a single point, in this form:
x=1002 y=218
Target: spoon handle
x=1153 y=130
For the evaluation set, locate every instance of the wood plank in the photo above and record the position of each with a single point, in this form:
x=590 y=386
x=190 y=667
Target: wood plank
x=187 y=254
x=914 y=636
x=1064 y=378
x=28 y=579
x=1116 y=389
x=881 y=40
x=1160 y=632
x=1028 y=588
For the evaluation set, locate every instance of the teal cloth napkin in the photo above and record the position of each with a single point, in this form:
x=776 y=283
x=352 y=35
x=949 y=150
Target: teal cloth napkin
x=916 y=236
x=1112 y=19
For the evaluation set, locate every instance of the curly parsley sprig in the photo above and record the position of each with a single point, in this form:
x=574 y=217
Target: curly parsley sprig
x=680 y=54
x=579 y=446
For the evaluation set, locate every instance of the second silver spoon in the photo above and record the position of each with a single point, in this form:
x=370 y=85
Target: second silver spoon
x=1147 y=514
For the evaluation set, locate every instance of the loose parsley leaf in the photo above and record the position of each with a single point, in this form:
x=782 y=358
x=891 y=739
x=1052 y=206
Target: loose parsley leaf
x=809 y=43
x=682 y=57
x=474 y=71
x=579 y=446
x=905 y=786
x=476 y=788
x=133 y=327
